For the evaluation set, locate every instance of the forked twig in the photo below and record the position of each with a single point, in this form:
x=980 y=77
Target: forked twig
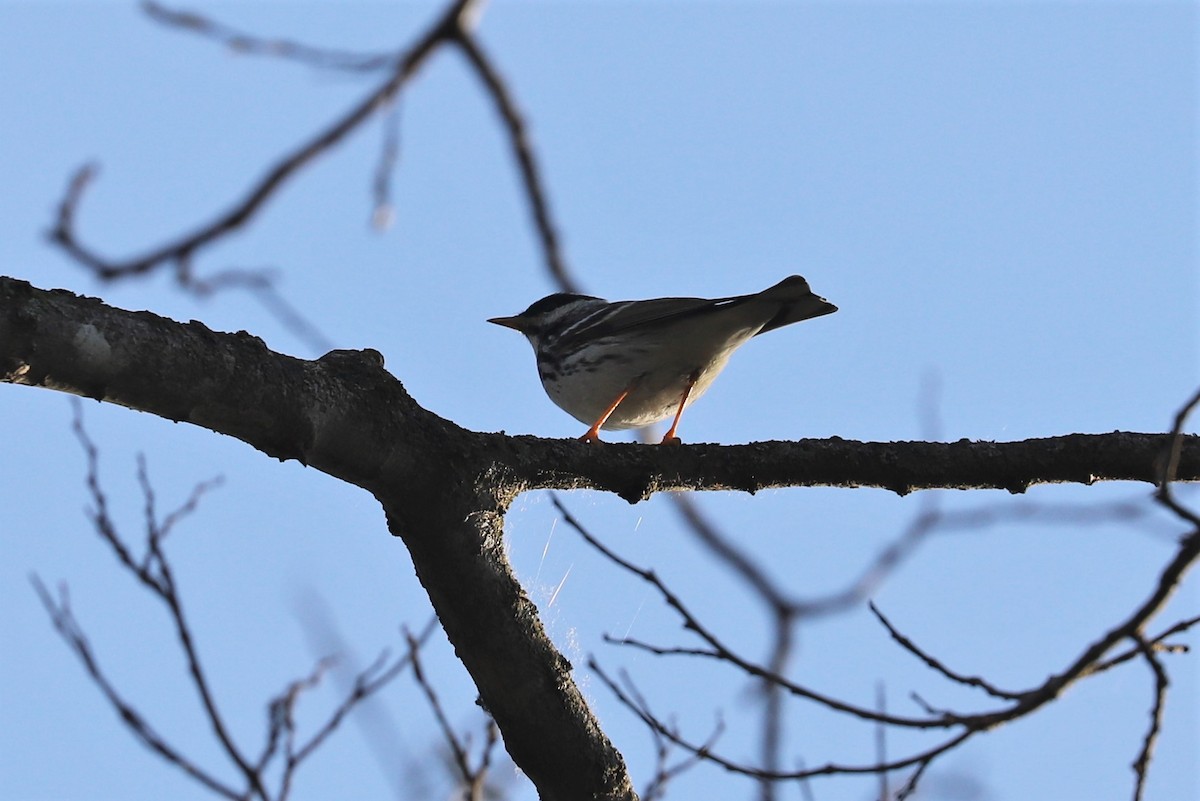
x=181 y=250
x=154 y=571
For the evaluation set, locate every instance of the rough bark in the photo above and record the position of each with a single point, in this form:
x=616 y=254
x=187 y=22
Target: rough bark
x=446 y=489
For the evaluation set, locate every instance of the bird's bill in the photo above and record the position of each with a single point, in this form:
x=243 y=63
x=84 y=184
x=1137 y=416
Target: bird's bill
x=515 y=323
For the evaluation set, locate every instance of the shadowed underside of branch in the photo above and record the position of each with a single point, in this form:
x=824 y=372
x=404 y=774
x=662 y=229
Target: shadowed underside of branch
x=446 y=489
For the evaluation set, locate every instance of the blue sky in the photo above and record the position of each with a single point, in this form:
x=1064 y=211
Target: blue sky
x=1000 y=197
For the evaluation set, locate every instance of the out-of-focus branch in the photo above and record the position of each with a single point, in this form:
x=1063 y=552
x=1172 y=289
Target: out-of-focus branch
x=1020 y=704
x=182 y=249
x=370 y=681
x=531 y=176
x=244 y=43
x=454 y=26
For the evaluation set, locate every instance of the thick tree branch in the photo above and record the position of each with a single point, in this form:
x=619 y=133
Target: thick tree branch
x=446 y=489
x=346 y=416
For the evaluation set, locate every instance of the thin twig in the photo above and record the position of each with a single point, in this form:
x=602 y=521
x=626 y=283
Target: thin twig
x=457 y=749
x=531 y=177
x=248 y=44
x=958 y=678
x=68 y=628
x=1141 y=766
x=829 y=769
x=881 y=741
x=720 y=652
x=365 y=685
x=181 y=250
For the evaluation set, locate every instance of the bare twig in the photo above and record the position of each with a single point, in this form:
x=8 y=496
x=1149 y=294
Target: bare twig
x=472 y=778
x=377 y=675
x=958 y=678
x=701 y=750
x=457 y=749
x=384 y=214
x=665 y=772
x=914 y=779
x=1141 y=765
x=717 y=650
x=154 y=571
x=531 y=177
x=1156 y=644
x=281 y=722
x=181 y=250
x=1021 y=703
x=881 y=741
x=68 y=627
x=248 y=44
x=1170 y=466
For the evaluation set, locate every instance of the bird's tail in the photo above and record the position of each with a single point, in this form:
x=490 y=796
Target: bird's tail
x=796 y=302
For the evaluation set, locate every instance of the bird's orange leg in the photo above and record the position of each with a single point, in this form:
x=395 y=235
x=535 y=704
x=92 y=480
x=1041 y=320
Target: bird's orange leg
x=593 y=433
x=669 y=438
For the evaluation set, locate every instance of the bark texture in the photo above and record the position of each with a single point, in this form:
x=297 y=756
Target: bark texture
x=446 y=489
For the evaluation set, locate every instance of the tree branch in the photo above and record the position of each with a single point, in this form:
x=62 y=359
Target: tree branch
x=345 y=415
x=181 y=249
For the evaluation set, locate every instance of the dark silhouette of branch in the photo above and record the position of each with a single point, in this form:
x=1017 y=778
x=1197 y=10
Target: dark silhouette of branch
x=1019 y=704
x=915 y=650
x=68 y=627
x=531 y=176
x=153 y=570
x=1141 y=765
x=343 y=414
x=472 y=778
x=155 y=573
x=454 y=26
x=244 y=43
x=181 y=250
x=378 y=438
x=665 y=772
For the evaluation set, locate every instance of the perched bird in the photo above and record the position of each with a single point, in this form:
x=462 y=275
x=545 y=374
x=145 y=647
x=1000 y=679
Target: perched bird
x=632 y=363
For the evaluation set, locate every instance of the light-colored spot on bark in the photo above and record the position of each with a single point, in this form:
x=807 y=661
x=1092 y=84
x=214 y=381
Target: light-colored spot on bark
x=92 y=345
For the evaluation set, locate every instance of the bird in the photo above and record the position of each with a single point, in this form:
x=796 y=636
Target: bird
x=632 y=363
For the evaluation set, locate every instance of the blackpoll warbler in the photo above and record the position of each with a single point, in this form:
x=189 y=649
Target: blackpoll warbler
x=632 y=363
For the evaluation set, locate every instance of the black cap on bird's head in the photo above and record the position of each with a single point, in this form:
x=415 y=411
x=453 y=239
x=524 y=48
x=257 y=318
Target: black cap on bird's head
x=540 y=310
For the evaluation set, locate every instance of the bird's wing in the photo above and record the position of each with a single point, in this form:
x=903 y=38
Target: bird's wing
x=791 y=301
x=629 y=315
